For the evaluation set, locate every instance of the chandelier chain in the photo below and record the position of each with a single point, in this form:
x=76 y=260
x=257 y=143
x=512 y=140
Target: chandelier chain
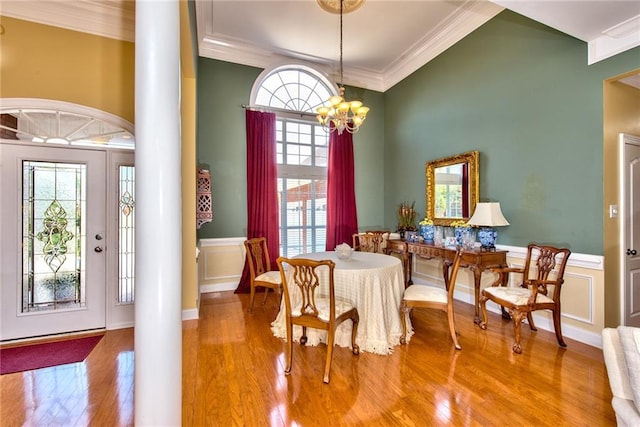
x=341 y=114
x=341 y=67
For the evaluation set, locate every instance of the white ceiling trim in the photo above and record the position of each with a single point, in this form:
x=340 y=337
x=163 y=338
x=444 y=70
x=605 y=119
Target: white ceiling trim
x=457 y=26
x=93 y=17
x=615 y=40
x=466 y=19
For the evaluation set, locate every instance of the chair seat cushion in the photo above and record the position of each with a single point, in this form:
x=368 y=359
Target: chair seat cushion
x=516 y=296
x=425 y=293
x=322 y=305
x=270 y=277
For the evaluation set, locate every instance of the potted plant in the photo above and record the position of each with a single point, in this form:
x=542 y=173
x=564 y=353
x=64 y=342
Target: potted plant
x=406 y=218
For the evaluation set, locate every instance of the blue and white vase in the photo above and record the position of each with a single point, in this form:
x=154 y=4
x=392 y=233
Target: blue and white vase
x=487 y=237
x=459 y=233
x=412 y=236
x=427 y=232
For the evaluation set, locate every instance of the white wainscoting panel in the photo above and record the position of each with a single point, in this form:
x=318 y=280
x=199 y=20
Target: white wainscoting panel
x=220 y=264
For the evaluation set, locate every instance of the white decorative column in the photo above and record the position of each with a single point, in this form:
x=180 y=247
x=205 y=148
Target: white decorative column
x=158 y=303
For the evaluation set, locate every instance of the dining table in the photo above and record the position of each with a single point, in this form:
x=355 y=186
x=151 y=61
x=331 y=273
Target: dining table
x=374 y=284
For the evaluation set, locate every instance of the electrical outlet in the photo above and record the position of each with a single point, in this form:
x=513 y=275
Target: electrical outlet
x=613 y=211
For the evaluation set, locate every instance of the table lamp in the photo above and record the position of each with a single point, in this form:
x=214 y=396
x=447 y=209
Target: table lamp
x=487 y=216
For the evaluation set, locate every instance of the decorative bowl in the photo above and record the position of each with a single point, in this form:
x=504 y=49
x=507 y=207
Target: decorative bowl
x=344 y=252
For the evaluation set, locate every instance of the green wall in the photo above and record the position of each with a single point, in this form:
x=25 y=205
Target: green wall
x=222 y=90
x=519 y=92
x=523 y=95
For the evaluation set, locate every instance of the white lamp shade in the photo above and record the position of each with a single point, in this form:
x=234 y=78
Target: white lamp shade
x=488 y=214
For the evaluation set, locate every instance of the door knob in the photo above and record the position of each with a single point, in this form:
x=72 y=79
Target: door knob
x=98 y=236
x=98 y=249
x=631 y=252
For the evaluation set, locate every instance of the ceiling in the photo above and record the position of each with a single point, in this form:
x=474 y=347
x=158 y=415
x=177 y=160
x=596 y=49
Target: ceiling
x=383 y=41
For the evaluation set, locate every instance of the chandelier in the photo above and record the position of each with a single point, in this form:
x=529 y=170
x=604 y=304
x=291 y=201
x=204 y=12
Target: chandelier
x=342 y=114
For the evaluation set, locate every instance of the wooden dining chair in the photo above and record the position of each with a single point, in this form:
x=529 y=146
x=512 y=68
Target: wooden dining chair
x=541 y=264
x=310 y=308
x=371 y=241
x=260 y=272
x=428 y=296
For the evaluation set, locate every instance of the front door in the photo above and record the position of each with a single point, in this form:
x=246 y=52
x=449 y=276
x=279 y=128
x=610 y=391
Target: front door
x=630 y=147
x=52 y=236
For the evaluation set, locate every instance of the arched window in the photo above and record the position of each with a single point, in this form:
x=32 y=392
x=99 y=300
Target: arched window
x=293 y=88
x=294 y=92
x=58 y=122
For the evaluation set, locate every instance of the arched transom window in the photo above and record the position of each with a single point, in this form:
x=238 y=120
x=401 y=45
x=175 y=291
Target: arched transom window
x=294 y=88
x=56 y=122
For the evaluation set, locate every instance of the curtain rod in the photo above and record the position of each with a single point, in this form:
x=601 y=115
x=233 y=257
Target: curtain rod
x=266 y=109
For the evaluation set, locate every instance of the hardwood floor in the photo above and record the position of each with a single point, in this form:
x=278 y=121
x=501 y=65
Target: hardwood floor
x=233 y=375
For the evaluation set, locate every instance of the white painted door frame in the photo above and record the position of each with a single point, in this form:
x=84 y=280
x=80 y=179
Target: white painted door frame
x=629 y=147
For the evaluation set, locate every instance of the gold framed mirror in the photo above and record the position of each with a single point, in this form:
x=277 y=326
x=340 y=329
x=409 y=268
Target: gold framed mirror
x=452 y=188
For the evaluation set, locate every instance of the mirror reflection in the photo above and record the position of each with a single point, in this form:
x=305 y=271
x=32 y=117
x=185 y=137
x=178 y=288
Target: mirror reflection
x=452 y=187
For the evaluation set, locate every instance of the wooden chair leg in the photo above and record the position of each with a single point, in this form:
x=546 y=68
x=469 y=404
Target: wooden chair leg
x=404 y=311
x=266 y=293
x=287 y=368
x=327 y=365
x=517 y=317
x=483 y=307
x=452 y=326
x=558 y=328
x=355 y=320
x=532 y=325
x=252 y=298
x=303 y=337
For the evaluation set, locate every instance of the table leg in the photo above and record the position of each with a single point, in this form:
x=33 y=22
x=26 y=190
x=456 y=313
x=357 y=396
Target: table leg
x=477 y=274
x=446 y=263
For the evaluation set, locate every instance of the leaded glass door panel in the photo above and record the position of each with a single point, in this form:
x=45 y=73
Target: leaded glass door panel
x=52 y=229
x=121 y=204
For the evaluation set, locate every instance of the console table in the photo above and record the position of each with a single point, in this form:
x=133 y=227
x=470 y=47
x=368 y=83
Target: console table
x=476 y=260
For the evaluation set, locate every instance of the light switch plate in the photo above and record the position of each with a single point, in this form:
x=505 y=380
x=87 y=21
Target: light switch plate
x=613 y=211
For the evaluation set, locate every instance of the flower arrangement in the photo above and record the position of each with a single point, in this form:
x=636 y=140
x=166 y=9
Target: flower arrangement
x=426 y=221
x=460 y=223
x=459 y=228
x=407 y=216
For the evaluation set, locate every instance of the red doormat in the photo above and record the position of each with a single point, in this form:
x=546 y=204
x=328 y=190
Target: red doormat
x=36 y=356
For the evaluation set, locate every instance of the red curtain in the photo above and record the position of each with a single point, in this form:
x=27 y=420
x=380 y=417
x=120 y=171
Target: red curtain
x=262 y=187
x=342 y=219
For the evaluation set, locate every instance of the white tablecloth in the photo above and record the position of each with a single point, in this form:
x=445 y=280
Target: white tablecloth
x=374 y=284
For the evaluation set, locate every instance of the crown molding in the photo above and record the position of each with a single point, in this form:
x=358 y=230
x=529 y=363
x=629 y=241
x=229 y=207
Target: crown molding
x=465 y=20
x=115 y=20
x=615 y=40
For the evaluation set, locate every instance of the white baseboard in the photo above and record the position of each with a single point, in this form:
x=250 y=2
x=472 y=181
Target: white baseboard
x=219 y=287
x=121 y=325
x=190 y=314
